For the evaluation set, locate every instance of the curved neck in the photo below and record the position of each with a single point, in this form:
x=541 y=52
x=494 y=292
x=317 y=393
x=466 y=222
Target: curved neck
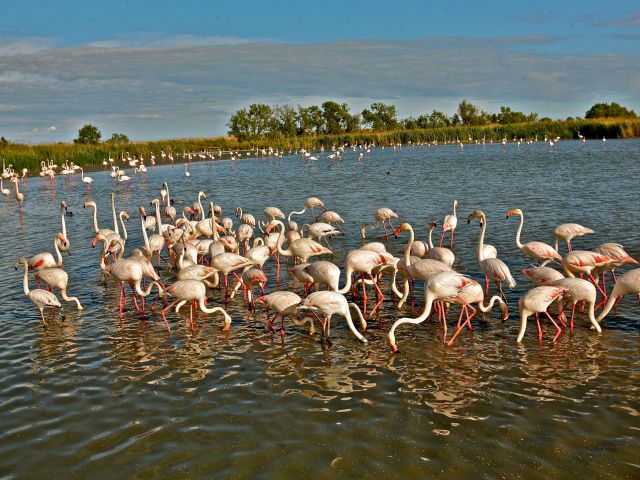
x=145 y=237
x=214 y=225
x=347 y=286
x=158 y=219
x=166 y=186
x=518 y=242
x=481 y=240
x=352 y=327
x=407 y=249
x=455 y=205
x=202 y=215
x=113 y=212
x=58 y=254
x=95 y=218
x=430 y=241
x=281 y=251
x=296 y=213
x=124 y=229
x=25 y=280
x=489 y=306
x=64 y=223
x=607 y=308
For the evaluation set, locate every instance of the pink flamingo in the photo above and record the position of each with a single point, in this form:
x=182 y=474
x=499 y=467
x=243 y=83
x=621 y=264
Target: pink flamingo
x=325 y=304
x=628 y=283
x=537 y=250
x=449 y=224
x=541 y=276
x=45 y=259
x=568 y=231
x=303 y=248
x=194 y=292
x=535 y=301
x=57 y=278
x=578 y=290
x=40 y=298
x=284 y=304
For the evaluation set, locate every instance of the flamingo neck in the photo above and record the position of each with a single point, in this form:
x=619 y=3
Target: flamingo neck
x=481 y=240
x=296 y=213
x=281 y=251
x=124 y=229
x=202 y=215
x=145 y=237
x=519 y=231
x=58 y=254
x=430 y=241
x=113 y=213
x=25 y=280
x=64 y=223
x=407 y=250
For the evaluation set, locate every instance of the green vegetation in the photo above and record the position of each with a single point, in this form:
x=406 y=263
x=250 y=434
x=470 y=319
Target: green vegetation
x=331 y=124
x=613 y=110
x=88 y=134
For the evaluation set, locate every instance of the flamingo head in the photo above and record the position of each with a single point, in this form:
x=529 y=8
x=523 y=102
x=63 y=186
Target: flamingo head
x=262 y=299
x=143 y=212
x=515 y=211
x=402 y=228
x=476 y=214
x=394 y=348
x=432 y=224
x=505 y=311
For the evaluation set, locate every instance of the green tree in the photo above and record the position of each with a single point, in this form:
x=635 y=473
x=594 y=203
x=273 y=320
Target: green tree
x=310 y=120
x=380 y=116
x=261 y=119
x=118 y=138
x=467 y=113
x=604 y=110
x=507 y=115
x=239 y=125
x=337 y=118
x=88 y=134
x=286 y=119
x=4 y=142
x=438 y=119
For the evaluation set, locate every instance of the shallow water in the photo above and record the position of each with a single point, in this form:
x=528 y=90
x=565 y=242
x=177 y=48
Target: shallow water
x=87 y=397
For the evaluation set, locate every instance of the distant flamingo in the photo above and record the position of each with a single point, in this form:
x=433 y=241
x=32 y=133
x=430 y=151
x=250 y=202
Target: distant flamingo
x=310 y=203
x=383 y=216
x=5 y=191
x=535 y=301
x=86 y=179
x=538 y=250
x=19 y=195
x=40 y=298
x=568 y=231
x=449 y=224
x=303 y=248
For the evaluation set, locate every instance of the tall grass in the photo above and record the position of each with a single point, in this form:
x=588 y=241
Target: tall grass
x=30 y=156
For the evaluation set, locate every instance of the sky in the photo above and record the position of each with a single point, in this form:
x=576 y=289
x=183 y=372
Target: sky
x=160 y=69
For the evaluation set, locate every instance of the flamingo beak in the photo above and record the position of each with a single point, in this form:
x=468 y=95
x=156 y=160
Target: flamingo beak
x=396 y=233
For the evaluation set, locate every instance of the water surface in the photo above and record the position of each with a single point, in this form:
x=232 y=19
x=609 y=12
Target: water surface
x=87 y=397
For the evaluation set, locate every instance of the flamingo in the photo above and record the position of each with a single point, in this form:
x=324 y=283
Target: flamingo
x=5 y=191
x=45 y=259
x=441 y=286
x=19 y=195
x=326 y=304
x=320 y=230
x=366 y=263
x=57 y=278
x=251 y=278
x=285 y=304
x=169 y=210
x=449 y=224
x=86 y=179
x=494 y=269
x=627 y=283
x=619 y=258
x=246 y=218
x=441 y=254
x=542 y=275
x=537 y=250
x=259 y=253
x=421 y=269
x=584 y=262
x=470 y=294
x=273 y=213
x=568 y=231
x=578 y=290
x=226 y=263
x=303 y=248
x=535 y=301
x=324 y=273
x=329 y=216
x=40 y=298
x=383 y=216
x=64 y=247
x=310 y=203
x=105 y=232
x=192 y=291
x=155 y=244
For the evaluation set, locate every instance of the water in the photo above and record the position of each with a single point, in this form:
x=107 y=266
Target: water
x=86 y=397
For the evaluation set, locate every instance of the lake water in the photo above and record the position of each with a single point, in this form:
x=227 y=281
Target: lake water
x=88 y=398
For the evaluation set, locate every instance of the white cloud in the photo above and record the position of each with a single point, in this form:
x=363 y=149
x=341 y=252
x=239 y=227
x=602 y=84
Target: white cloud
x=191 y=90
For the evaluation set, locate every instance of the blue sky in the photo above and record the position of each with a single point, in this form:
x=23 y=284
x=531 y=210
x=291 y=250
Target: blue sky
x=158 y=69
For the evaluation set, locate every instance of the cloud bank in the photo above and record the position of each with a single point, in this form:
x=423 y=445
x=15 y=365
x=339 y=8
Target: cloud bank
x=181 y=87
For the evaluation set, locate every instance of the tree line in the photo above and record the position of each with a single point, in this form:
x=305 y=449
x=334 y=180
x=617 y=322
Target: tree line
x=333 y=118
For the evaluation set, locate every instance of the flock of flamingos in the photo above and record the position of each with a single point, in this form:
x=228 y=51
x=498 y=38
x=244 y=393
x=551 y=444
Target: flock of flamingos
x=199 y=249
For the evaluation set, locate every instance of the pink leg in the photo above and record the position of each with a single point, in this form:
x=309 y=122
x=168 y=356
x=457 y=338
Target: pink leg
x=539 y=328
x=452 y=235
x=364 y=297
x=555 y=325
x=573 y=311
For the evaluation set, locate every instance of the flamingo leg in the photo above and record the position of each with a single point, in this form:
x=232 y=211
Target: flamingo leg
x=164 y=311
x=555 y=325
x=539 y=328
x=452 y=235
x=593 y=280
x=573 y=311
x=364 y=297
x=191 y=317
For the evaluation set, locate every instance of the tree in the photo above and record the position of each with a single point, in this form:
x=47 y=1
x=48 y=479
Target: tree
x=4 y=142
x=310 y=120
x=507 y=115
x=287 y=120
x=88 y=134
x=380 y=116
x=239 y=125
x=438 y=119
x=118 y=138
x=467 y=113
x=604 y=110
x=337 y=118
x=258 y=120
